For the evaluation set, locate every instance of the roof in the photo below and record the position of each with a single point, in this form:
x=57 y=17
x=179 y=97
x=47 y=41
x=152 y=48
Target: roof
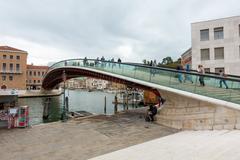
x=187 y=52
x=37 y=67
x=11 y=49
x=232 y=17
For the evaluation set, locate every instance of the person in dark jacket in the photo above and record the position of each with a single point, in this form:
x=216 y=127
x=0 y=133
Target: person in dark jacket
x=151 y=112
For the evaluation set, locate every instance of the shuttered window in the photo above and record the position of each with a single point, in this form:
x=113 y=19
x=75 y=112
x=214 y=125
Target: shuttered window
x=205 y=55
x=219 y=53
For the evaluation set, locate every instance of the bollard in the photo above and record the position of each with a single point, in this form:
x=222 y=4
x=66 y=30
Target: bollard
x=105 y=105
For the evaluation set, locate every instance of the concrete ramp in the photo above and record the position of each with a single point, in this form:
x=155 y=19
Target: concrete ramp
x=187 y=145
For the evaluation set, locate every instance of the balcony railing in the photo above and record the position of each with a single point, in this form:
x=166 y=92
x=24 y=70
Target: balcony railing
x=10 y=72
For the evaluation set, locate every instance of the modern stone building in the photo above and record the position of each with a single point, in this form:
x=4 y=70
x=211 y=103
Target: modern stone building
x=35 y=76
x=12 y=68
x=216 y=45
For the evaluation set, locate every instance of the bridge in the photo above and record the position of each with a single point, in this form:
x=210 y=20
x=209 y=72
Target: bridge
x=165 y=80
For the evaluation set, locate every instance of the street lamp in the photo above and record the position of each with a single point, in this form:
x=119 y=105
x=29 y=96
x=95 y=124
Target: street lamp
x=64 y=102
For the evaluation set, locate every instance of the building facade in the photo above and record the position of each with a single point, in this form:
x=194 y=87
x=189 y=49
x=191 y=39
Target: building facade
x=216 y=45
x=35 y=76
x=92 y=83
x=12 y=68
x=186 y=58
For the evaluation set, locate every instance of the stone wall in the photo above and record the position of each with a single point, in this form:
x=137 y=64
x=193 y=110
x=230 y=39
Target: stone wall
x=191 y=114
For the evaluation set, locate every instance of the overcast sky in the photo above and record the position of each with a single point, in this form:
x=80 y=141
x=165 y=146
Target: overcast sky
x=52 y=30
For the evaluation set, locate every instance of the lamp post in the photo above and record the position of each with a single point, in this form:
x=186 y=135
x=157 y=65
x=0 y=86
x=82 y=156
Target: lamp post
x=64 y=102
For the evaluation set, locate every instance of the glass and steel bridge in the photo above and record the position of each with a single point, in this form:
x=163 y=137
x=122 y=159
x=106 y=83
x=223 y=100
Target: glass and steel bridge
x=161 y=76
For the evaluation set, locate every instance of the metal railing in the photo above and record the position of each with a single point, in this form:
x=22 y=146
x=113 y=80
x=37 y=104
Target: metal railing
x=181 y=80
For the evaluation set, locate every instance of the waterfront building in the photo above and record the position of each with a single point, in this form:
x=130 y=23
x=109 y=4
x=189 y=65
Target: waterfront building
x=35 y=76
x=12 y=68
x=216 y=45
x=92 y=83
x=186 y=58
x=76 y=83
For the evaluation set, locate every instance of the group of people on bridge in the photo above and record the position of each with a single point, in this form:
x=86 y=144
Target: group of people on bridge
x=183 y=77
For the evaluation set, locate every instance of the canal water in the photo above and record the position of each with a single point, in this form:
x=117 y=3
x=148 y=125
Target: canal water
x=79 y=100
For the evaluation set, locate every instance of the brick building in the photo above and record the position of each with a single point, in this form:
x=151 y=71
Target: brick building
x=12 y=68
x=34 y=76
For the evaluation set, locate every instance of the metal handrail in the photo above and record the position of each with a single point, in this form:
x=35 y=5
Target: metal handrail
x=211 y=75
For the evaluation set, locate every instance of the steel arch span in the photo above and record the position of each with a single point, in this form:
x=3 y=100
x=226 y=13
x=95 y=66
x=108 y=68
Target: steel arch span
x=55 y=76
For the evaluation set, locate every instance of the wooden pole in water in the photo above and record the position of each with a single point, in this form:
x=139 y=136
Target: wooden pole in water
x=116 y=103
x=105 y=105
x=67 y=108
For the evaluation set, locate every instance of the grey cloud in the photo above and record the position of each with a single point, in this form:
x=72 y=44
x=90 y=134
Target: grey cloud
x=152 y=29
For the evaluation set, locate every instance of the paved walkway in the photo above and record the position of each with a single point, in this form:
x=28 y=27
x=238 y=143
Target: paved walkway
x=80 y=139
x=187 y=145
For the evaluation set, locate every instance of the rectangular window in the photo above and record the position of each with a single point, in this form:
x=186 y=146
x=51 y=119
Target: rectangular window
x=4 y=66
x=3 y=78
x=18 y=57
x=204 y=35
x=30 y=81
x=39 y=73
x=34 y=81
x=30 y=73
x=38 y=81
x=205 y=55
x=17 y=67
x=42 y=73
x=218 y=33
x=217 y=70
x=11 y=56
x=4 y=56
x=11 y=67
x=219 y=53
x=207 y=70
x=34 y=73
x=10 y=78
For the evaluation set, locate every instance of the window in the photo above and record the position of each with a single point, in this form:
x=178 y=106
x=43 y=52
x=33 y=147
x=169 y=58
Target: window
x=10 y=78
x=11 y=67
x=34 y=73
x=39 y=73
x=219 y=53
x=207 y=70
x=30 y=73
x=30 y=81
x=218 y=33
x=205 y=54
x=17 y=67
x=38 y=81
x=4 y=66
x=204 y=35
x=11 y=56
x=4 y=56
x=3 y=78
x=42 y=73
x=217 y=70
x=34 y=81
x=18 y=57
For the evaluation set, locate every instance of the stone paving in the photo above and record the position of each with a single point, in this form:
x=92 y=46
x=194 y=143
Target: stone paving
x=187 y=145
x=79 y=139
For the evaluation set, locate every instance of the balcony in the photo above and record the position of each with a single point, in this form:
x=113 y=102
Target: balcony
x=10 y=72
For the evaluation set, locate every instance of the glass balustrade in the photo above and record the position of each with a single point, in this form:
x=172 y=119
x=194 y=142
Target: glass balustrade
x=185 y=81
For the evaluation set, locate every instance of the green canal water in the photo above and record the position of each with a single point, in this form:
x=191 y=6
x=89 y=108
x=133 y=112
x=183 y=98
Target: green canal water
x=79 y=100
